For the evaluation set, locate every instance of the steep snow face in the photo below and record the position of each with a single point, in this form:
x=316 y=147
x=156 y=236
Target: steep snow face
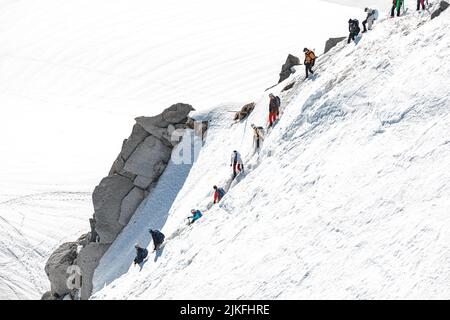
x=74 y=74
x=348 y=198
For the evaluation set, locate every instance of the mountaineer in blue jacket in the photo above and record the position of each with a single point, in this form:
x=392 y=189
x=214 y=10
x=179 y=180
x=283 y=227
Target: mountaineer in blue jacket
x=141 y=254
x=196 y=214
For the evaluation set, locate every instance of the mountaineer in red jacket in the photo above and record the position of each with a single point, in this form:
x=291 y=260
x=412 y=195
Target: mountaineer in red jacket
x=218 y=194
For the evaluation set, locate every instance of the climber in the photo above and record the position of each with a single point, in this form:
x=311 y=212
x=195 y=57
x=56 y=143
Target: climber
x=196 y=214
x=258 y=137
x=420 y=3
x=354 y=29
x=274 y=108
x=219 y=193
x=310 y=60
x=141 y=254
x=158 y=238
x=236 y=163
x=371 y=17
x=396 y=4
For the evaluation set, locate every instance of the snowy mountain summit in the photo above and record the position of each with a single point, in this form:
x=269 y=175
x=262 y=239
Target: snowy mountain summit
x=348 y=197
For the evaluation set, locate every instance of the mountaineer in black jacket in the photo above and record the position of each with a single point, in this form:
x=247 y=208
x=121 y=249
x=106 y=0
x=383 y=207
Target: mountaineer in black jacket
x=354 y=29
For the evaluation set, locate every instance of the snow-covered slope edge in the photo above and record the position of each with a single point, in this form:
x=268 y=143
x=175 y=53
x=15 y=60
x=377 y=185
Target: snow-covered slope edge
x=349 y=198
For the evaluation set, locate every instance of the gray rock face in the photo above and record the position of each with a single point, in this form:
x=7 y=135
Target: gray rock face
x=88 y=260
x=332 y=42
x=129 y=205
x=286 y=69
x=443 y=5
x=147 y=156
x=175 y=114
x=136 y=170
x=107 y=199
x=57 y=266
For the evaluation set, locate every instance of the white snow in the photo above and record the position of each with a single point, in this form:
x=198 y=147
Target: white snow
x=348 y=199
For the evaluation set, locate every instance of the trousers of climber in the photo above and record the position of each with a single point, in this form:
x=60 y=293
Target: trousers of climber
x=420 y=3
x=310 y=60
x=219 y=193
x=274 y=108
x=396 y=4
x=236 y=163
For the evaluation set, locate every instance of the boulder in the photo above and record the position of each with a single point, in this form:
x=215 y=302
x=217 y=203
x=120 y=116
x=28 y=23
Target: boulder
x=88 y=260
x=49 y=296
x=245 y=111
x=443 y=5
x=332 y=42
x=107 y=199
x=129 y=205
x=177 y=113
x=288 y=87
x=146 y=158
x=287 y=68
x=57 y=266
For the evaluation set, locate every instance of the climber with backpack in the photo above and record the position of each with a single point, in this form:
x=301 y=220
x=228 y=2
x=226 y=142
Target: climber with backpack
x=219 y=193
x=354 y=29
x=258 y=137
x=274 y=108
x=157 y=237
x=310 y=60
x=141 y=254
x=236 y=163
x=196 y=214
x=371 y=17
x=396 y=4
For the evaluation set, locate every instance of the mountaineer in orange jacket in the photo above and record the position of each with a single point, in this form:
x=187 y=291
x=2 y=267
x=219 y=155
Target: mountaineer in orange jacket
x=310 y=60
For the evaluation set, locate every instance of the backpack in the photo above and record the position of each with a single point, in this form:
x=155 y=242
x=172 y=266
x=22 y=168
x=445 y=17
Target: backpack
x=260 y=132
x=278 y=101
x=159 y=236
x=375 y=14
x=312 y=55
x=221 y=192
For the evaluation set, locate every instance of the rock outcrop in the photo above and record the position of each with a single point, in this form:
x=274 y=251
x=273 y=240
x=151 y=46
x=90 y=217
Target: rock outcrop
x=245 y=111
x=56 y=269
x=443 y=5
x=288 y=87
x=332 y=42
x=141 y=161
x=287 y=68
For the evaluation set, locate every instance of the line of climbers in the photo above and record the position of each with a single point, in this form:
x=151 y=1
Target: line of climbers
x=236 y=164
x=372 y=15
x=274 y=114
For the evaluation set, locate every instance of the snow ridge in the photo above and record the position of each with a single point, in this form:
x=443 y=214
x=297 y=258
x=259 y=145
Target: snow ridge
x=348 y=198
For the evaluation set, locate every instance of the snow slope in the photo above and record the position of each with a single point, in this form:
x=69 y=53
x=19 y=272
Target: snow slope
x=74 y=74
x=348 y=199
